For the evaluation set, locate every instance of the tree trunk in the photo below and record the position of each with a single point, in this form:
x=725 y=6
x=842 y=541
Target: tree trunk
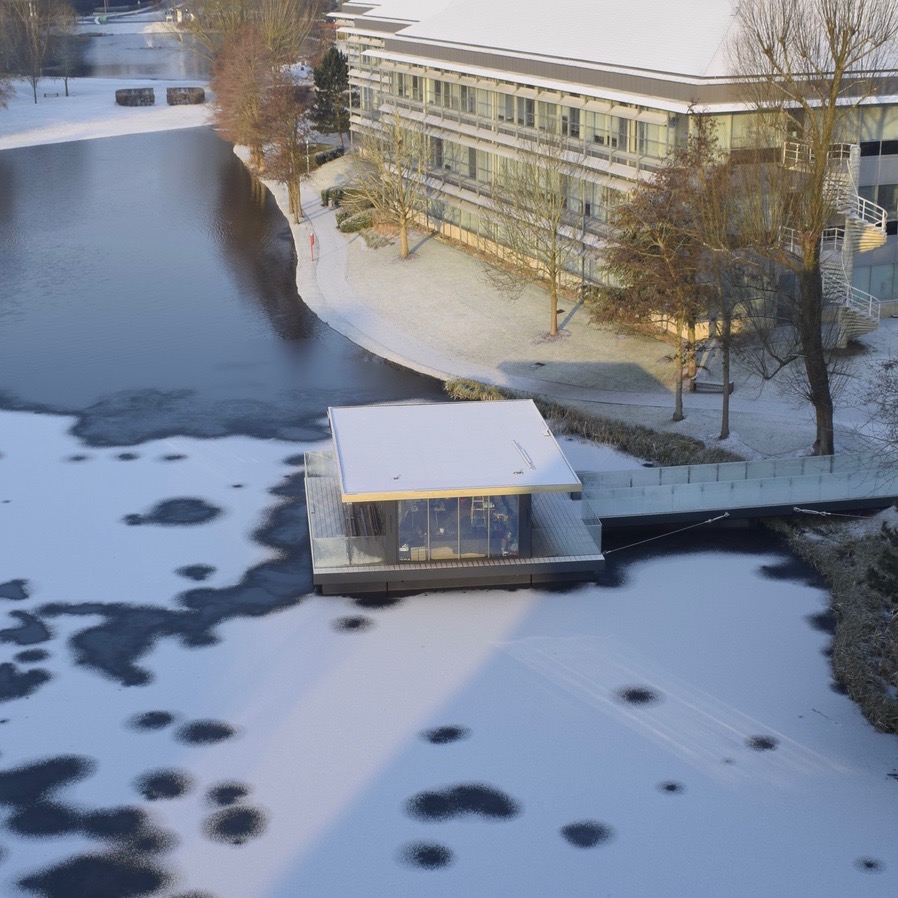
x=725 y=351
x=690 y=349
x=294 y=187
x=403 y=239
x=811 y=333
x=678 y=384
x=553 y=309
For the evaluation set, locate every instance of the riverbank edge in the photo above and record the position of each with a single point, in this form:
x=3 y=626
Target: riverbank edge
x=841 y=557
x=864 y=655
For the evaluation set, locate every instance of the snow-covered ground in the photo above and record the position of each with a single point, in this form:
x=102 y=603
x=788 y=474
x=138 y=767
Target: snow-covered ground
x=90 y=112
x=681 y=721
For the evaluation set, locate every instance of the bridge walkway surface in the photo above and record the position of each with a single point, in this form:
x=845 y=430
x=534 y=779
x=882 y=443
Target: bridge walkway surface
x=750 y=489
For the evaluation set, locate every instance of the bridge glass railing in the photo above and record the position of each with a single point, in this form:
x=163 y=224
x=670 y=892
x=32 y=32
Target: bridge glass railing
x=779 y=491
x=867 y=463
x=321 y=464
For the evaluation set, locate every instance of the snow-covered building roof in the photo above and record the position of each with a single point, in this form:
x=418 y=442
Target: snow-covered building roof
x=447 y=449
x=685 y=37
x=406 y=10
x=674 y=36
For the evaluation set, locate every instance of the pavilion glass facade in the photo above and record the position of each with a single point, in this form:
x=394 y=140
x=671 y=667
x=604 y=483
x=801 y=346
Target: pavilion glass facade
x=463 y=527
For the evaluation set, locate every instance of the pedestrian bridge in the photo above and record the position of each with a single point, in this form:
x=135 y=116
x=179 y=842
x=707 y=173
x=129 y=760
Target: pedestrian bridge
x=767 y=488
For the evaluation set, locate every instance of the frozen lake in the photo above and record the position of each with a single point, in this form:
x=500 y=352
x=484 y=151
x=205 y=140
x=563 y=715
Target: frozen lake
x=181 y=718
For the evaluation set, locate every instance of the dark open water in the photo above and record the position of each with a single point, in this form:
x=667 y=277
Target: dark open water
x=148 y=287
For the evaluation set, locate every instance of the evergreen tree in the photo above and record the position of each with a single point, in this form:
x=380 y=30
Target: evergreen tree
x=331 y=110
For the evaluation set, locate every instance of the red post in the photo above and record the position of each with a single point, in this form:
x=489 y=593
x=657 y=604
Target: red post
x=312 y=247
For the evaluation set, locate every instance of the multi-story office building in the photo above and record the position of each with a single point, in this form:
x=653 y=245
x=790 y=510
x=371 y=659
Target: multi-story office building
x=617 y=82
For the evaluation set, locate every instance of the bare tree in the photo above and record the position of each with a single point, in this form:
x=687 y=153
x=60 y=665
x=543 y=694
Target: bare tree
x=6 y=53
x=881 y=397
x=30 y=24
x=282 y=25
x=732 y=270
x=285 y=114
x=537 y=237
x=804 y=66
x=243 y=73
x=655 y=259
x=6 y=87
x=391 y=172
x=65 y=49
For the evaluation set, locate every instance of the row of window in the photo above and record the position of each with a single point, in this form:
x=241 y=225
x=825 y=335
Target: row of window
x=885 y=195
x=880 y=280
x=584 y=197
x=879 y=148
x=610 y=131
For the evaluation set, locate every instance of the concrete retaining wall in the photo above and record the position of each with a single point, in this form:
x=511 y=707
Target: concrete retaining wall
x=135 y=96
x=185 y=96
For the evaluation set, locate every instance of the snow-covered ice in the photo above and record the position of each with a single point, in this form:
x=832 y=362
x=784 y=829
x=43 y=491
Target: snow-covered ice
x=640 y=708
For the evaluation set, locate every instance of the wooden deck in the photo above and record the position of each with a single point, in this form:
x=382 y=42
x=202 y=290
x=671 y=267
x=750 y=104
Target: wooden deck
x=558 y=527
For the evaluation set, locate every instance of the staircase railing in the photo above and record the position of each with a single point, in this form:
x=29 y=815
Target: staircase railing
x=837 y=244
x=838 y=289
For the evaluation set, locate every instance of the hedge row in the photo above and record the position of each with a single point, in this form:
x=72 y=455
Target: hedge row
x=633 y=439
x=329 y=155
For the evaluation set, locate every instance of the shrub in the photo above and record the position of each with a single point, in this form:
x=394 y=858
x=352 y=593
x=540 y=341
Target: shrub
x=357 y=222
x=332 y=193
x=329 y=155
x=342 y=215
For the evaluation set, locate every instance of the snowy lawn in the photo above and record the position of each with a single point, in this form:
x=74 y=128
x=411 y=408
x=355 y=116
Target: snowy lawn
x=90 y=112
x=673 y=734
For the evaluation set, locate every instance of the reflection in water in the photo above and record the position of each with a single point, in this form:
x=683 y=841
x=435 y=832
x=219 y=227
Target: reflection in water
x=264 y=267
x=146 y=287
x=141 y=55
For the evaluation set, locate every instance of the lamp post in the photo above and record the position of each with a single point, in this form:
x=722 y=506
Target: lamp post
x=583 y=255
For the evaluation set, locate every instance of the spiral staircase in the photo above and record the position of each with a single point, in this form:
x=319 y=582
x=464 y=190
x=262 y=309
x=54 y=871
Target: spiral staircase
x=858 y=227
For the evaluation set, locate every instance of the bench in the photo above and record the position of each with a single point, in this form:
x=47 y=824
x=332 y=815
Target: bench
x=709 y=386
x=50 y=94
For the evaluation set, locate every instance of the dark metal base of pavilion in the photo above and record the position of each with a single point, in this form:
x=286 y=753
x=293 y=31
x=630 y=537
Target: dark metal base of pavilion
x=420 y=577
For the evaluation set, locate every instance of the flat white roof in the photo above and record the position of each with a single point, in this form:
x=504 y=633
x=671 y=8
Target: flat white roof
x=447 y=449
x=678 y=36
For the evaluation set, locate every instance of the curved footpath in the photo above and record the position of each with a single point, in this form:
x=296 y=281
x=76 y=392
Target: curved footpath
x=437 y=313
